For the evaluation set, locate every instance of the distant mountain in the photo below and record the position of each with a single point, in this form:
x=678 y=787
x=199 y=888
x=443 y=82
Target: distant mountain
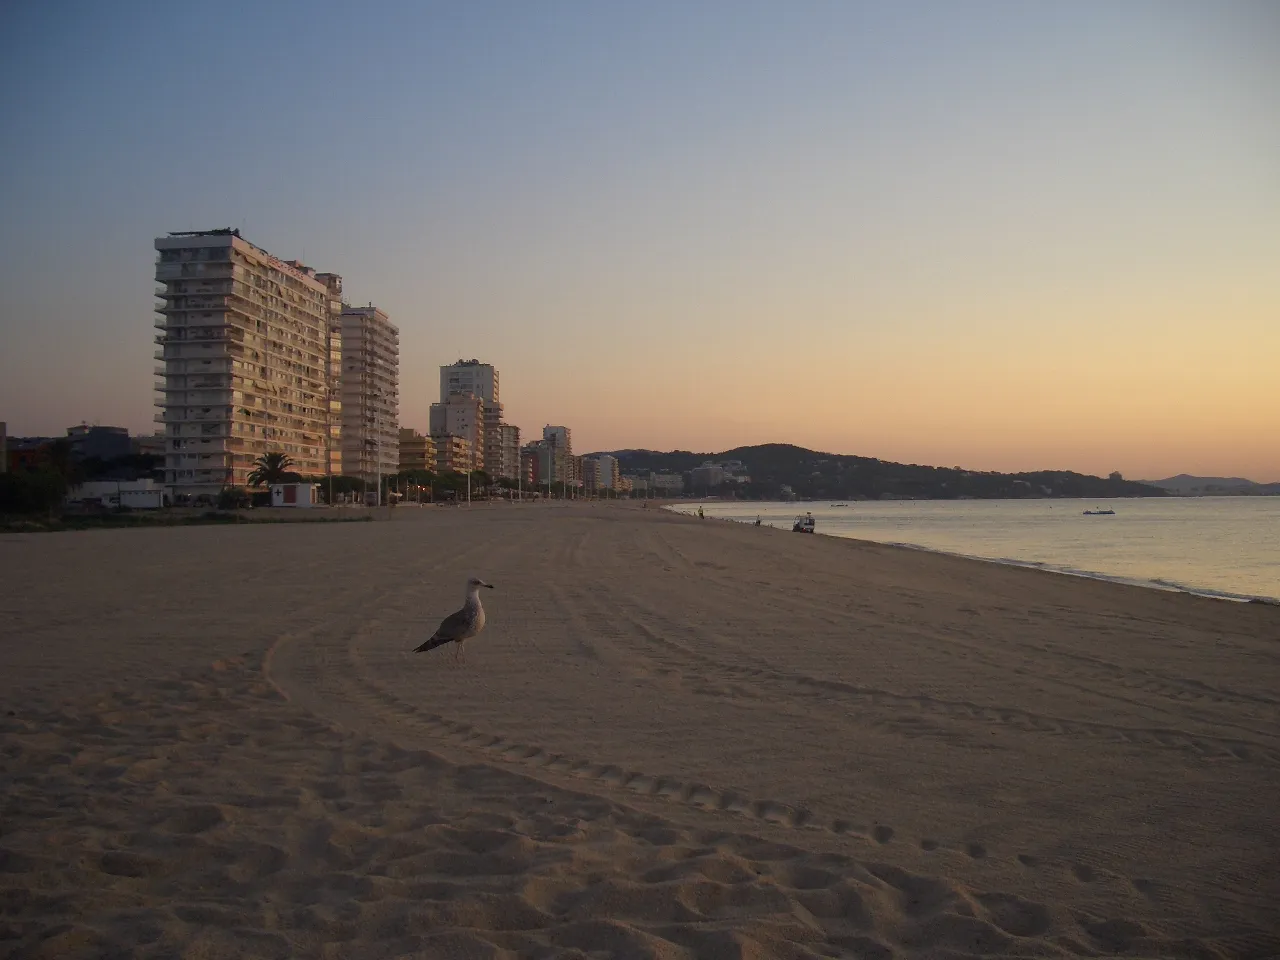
x=1186 y=485
x=828 y=476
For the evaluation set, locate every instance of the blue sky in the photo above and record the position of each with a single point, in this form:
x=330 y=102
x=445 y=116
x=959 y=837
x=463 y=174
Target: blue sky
x=996 y=234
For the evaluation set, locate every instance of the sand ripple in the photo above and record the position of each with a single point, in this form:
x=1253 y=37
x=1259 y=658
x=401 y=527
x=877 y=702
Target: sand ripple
x=121 y=838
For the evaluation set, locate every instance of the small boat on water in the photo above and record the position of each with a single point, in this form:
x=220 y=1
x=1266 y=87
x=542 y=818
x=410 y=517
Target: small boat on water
x=1100 y=513
x=803 y=524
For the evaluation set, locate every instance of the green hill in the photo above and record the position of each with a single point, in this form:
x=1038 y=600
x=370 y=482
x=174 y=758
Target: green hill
x=830 y=476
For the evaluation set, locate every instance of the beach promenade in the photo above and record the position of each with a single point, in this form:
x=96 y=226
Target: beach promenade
x=675 y=738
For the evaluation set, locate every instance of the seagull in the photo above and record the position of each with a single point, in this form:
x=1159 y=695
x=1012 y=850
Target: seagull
x=460 y=626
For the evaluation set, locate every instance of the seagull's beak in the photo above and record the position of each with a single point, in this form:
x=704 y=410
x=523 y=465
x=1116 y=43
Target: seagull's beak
x=489 y=585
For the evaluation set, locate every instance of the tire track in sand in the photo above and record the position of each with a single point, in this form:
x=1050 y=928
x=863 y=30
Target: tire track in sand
x=1180 y=690
x=348 y=693
x=880 y=706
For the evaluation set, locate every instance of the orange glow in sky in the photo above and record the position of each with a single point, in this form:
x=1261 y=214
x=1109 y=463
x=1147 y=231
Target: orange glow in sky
x=996 y=236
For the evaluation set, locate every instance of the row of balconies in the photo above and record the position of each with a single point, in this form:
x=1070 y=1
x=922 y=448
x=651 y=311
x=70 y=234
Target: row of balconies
x=183 y=271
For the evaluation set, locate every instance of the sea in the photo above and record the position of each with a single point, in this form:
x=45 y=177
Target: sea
x=1225 y=547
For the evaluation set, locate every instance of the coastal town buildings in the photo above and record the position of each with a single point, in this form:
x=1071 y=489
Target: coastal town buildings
x=509 y=450
x=667 y=484
x=461 y=415
x=369 y=392
x=98 y=442
x=470 y=376
x=559 y=446
x=334 y=283
x=551 y=459
x=147 y=445
x=242 y=352
x=417 y=453
x=532 y=467
x=491 y=458
x=453 y=454
x=601 y=472
x=495 y=443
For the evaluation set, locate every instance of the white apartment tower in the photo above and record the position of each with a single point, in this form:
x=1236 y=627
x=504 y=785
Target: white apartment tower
x=559 y=444
x=370 y=392
x=244 y=346
x=470 y=376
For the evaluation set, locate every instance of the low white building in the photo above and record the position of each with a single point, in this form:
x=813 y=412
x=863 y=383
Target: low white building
x=134 y=494
x=294 y=495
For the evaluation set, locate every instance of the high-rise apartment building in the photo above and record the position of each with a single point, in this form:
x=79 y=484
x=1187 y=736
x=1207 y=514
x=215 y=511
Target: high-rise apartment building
x=509 y=447
x=470 y=376
x=370 y=392
x=333 y=283
x=560 y=440
x=553 y=458
x=244 y=343
x=461 y=415
x=476 y=379
x=601 y=472
x=562 y=437
x=492 y=452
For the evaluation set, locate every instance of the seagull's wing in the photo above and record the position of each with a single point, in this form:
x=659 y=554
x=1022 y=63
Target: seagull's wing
x=451 y=628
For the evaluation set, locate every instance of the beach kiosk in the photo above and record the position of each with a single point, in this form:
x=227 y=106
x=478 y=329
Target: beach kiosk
x=294 y=494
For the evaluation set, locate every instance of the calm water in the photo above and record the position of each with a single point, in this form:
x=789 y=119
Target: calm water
x=1220 y=546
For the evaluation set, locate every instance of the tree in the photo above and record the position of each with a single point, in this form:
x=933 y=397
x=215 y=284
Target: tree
x=233 y=498
x=271 y=468
x=32 y=491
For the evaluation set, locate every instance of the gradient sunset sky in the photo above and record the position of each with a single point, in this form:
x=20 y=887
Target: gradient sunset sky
x=991 y=234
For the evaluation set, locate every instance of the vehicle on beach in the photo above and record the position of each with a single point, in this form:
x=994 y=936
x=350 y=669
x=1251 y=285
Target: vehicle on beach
x=803 y=524
x=1100 y=513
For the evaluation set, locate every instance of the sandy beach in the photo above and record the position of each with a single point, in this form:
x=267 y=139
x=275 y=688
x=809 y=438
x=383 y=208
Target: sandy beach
x=676 y=738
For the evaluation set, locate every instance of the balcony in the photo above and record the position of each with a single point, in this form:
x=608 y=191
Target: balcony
x=209 y=270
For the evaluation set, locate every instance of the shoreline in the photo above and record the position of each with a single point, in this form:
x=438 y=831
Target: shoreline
x=1163 y=586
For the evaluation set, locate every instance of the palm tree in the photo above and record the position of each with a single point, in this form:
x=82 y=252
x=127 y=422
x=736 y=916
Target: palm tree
x=271 y=468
